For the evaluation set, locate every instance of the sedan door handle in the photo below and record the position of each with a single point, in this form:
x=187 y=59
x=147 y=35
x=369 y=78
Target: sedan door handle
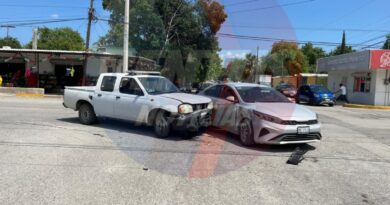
x=118 y=97
x=99 y=95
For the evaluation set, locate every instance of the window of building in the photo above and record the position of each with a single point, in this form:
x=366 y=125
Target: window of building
x=362 y=84
x=108 y=84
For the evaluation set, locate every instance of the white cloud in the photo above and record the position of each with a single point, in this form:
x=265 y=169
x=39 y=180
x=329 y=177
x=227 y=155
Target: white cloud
x=55 y=16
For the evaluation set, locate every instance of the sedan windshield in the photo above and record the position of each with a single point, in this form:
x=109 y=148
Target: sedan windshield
x=252 y=94
x=157 y=85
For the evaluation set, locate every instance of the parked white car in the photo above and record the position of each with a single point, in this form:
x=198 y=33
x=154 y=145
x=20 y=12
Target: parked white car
x=260 y=114
x=142 y=97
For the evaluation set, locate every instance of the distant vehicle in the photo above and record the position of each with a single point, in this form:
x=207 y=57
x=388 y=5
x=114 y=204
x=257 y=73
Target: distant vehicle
x=141 y=97
x=260 y=114
x=288 y=90
x=315 y=95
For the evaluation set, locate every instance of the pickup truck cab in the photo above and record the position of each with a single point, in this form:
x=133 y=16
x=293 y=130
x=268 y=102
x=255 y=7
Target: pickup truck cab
x=141 y=97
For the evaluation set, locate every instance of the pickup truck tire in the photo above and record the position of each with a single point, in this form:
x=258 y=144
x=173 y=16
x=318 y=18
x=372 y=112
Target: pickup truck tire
x=246 y=133
x=87 y=115
x=161 y=125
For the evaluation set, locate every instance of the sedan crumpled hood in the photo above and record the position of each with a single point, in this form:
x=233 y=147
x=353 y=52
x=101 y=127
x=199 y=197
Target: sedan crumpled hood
x=187 y=98
x=285 y=111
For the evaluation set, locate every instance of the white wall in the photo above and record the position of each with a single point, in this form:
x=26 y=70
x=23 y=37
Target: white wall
x=347 y=78
x=381 y=96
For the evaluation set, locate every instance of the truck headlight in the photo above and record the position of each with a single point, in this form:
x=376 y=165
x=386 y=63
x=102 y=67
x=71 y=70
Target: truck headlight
x=185 y=109
x=210 y=106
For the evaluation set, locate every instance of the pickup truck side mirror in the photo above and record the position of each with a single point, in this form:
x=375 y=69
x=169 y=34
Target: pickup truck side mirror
x=231 y=99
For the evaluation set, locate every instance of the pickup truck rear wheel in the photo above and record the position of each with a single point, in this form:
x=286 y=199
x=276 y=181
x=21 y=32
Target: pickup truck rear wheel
x=161 y=125
x=87 y=115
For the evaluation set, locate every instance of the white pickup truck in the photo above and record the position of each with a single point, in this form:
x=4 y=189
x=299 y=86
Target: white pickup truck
x=141 y=97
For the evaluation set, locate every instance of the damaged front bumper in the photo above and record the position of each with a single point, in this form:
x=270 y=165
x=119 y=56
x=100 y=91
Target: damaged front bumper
x=191 y=122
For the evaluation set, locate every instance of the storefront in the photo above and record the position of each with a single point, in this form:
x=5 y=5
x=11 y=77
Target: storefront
x=366 y=75
x=53 y=70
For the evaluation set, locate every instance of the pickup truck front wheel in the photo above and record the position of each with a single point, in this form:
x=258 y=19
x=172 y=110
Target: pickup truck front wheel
x=87 y=115
x=161 y=125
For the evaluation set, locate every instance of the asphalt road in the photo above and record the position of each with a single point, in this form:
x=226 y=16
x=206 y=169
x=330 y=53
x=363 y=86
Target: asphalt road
x=47 y=157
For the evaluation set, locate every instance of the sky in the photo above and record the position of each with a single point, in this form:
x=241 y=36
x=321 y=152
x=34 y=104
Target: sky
x=301 y=20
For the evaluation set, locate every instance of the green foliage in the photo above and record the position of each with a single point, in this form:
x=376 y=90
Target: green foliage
x=387 y=43
x=171 y=32
x=285 y=58
x=312 y=54
x=59 y=39
x=235 y=69
x=343 y=48
x=11 y=42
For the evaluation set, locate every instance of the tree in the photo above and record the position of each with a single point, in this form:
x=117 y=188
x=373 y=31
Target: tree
x=387 y=43
x=285 y=58
x=343 y=48
x=11 y=42
x=171 y=32
x=59 y=39
x=312 y=54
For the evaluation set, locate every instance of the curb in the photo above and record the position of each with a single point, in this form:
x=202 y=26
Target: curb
x=367 y=106
x=29 y=95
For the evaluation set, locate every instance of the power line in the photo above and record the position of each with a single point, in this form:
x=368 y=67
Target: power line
x=308 y=28
x=241 y=3
x=42 y=6
x=44 y=22
x=272 y=7
x=268 y=39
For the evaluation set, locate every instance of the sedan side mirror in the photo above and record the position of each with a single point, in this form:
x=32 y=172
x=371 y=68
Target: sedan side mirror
x=231 y=99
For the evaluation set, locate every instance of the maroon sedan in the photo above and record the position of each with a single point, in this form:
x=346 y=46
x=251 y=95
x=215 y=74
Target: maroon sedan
x=288 y=90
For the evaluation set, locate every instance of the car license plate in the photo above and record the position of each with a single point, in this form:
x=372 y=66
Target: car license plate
x=303 y=130
x=203 y=114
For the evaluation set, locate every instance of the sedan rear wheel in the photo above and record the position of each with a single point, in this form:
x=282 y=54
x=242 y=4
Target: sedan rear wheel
x=161 y=125
x=246 y=133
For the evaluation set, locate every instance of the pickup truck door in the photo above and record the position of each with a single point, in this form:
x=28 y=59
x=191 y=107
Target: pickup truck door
x=103 y=101
x=131 y=103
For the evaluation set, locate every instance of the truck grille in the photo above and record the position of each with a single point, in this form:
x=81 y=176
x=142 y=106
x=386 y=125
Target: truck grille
x=199 y=107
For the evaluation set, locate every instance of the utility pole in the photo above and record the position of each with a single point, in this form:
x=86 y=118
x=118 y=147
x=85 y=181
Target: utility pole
x=257 y=63
x=8 y=27
x=35 y=39
x=91 y=16
x=126 y=37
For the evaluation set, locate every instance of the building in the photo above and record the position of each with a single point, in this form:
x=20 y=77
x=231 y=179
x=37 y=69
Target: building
x=55 y=69
x=301 y=79
x=366 y=75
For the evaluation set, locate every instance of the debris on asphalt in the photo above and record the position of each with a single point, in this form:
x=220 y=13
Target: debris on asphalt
x=297 y=156
x=145 y=169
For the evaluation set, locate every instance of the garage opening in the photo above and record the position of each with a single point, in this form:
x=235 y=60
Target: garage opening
x=13 y=74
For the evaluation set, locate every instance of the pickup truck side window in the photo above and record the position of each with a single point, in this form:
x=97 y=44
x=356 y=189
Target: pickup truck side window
x=108 y=84
x=130 y=86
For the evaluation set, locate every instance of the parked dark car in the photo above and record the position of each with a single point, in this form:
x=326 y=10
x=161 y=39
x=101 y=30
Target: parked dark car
x=315 y=95
x=287 y=90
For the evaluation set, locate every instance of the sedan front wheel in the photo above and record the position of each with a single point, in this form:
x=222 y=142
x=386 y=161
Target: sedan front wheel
x=246 y=133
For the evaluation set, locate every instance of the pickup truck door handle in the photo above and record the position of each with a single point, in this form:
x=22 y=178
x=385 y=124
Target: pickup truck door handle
x=99 y=95
x=118 y=97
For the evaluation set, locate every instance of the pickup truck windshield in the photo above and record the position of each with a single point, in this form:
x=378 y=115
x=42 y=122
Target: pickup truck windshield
x=158 y=85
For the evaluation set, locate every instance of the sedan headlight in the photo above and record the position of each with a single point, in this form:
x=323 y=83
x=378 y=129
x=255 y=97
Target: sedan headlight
x=185 y=109
x=210 y=106
x=269 y=118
